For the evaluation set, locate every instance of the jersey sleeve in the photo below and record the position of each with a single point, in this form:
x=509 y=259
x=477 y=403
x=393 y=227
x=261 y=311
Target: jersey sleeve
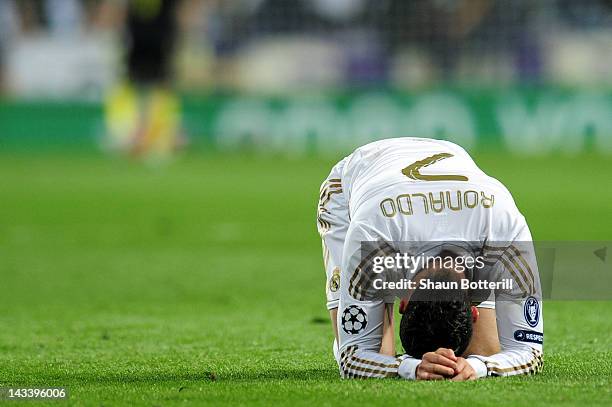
x=361 y=319
x=520 y=321
x=332 y=224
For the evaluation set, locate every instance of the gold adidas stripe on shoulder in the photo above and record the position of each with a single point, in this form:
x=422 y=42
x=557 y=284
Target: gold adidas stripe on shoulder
x=361 y=277
x=514 y=263
x=329 y=181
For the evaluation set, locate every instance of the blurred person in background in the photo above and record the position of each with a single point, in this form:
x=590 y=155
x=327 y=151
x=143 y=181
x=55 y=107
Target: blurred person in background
x=143 y=112
x=65 y=17
x=489 y=42
x=8 y=29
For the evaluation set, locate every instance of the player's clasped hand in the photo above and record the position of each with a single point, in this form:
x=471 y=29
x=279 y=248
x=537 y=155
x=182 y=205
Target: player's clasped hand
x=443 y=364
x=464 y=371
x=437 y=365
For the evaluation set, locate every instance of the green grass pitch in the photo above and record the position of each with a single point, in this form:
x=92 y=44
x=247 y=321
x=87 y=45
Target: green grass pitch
x=202 y=283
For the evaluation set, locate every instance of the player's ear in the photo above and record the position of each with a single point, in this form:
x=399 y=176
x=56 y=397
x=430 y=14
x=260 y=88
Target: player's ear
x=475 y=314
x=403 y=306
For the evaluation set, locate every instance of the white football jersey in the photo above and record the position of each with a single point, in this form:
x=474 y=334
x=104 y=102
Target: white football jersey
x=424 y=190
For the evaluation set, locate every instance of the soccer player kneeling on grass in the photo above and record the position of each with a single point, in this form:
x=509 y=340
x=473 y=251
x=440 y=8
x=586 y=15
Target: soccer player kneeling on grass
x=427 y=199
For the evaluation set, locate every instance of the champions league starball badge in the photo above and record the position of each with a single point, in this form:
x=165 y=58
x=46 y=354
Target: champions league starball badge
x=354 y=320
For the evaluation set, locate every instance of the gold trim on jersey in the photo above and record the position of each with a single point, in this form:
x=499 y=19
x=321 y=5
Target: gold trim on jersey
x=329 y=188
x=353 y=366
x=329 y=181
x=533 y=366
x=359 y=282
x=511 y=256
x=325 y=254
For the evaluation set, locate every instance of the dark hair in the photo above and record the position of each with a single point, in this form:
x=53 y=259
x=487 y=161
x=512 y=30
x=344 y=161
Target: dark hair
x=437 y=318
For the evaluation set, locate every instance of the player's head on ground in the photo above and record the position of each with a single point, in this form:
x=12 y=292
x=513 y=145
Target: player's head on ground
x=437 y=318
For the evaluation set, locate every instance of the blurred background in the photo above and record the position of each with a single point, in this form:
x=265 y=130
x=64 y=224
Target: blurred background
x=122 y=280
x=308 y=76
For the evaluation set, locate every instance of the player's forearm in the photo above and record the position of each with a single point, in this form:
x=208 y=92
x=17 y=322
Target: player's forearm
x=388 y=338
x=356 y=363
x=508 y=363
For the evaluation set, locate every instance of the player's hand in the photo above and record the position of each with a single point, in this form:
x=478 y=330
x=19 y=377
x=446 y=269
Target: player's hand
x=464 y=371
x=437 y=365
